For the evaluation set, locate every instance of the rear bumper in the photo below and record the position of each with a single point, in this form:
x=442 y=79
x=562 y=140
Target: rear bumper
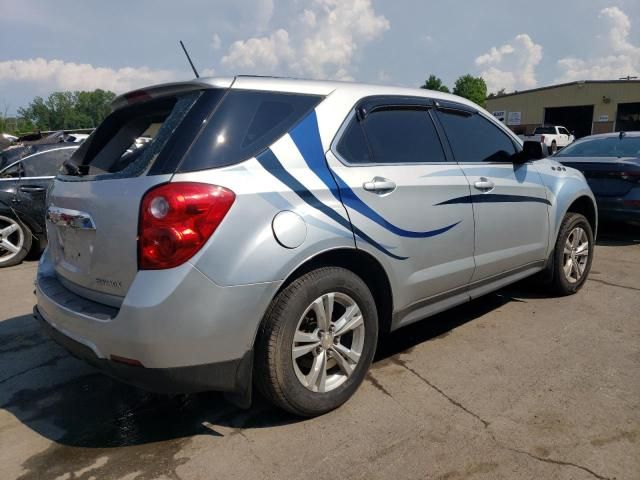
x=230 y=376
x=187 y=333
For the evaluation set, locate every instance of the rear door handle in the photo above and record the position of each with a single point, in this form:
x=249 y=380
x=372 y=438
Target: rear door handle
x=484 y=184
x=32 y=189
x=379 y=185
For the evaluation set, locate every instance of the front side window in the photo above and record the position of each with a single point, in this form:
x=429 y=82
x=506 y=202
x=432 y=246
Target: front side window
x=474 y=138
x=245 y=123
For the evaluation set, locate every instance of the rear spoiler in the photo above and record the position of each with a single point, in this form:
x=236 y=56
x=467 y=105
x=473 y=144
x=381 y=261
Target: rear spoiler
x=164 y=89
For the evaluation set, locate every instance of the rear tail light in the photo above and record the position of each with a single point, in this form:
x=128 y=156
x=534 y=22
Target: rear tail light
x=631 y=176
x=632 y=203
x=176 y=220
x=541 y=138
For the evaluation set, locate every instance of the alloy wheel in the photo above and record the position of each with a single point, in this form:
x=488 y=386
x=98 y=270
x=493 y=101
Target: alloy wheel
x=11 y=239
x=576 y=254
x=328 y=342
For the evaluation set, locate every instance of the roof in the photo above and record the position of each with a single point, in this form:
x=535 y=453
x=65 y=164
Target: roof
x=551 y=87
x=294 y=85
x=614 y=134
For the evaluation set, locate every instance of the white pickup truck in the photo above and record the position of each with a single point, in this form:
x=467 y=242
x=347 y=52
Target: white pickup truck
x=554 y=137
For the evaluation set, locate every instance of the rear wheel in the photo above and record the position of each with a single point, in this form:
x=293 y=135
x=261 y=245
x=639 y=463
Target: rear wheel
x=15 y=241
x=317 y=342
x=573 y=254
x=554 y=147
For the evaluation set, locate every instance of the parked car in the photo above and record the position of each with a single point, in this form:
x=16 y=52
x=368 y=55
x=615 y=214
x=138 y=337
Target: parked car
x=273 y=229
x=23 y=187
x=554 y=137
x=611 y=164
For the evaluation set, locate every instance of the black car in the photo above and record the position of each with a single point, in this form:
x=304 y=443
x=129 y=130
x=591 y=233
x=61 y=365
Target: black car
x=25 y=176
x=611 y=164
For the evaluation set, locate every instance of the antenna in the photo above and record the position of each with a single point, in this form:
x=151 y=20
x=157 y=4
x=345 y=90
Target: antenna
x=189 y=58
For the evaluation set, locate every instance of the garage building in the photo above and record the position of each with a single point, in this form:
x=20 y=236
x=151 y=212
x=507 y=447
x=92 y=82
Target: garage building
x=585 y=107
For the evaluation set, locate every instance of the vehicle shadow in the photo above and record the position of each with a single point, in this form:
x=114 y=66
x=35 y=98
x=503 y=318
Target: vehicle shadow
x=69 y=402
x=618 y=235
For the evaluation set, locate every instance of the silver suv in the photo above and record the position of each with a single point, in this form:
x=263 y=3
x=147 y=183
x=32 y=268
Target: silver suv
x=273 y=229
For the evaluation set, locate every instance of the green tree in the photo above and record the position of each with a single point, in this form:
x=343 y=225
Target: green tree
x=434 y=83
x=499 y=93
x=472 y=88
x=68 y=110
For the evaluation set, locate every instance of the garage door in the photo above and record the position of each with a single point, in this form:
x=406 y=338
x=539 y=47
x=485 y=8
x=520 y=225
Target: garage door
x=628 y=118
x=578 y=119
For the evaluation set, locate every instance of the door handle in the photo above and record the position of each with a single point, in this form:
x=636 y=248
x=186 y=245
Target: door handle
x=379 y=185
x=484 y=184
x=32 y=189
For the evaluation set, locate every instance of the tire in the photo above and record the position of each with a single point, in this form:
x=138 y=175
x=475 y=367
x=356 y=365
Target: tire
x=554 y=147
x=568 y=283
x=280 y=378
x=15 y=241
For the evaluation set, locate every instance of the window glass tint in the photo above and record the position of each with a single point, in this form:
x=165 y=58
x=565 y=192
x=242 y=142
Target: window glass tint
x=603 y=147
x=403 y=136
x=475 y=139
x=46 y=164
x=545 y=131
x=353 y=145
x=244 y=124
x=14 y=171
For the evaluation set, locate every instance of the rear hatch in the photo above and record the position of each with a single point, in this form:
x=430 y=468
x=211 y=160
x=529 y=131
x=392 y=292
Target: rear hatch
x=607 y=176
x=92 y=220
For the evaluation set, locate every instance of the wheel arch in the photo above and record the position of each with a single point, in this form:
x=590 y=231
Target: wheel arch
x=362 y=264
x=587 y=207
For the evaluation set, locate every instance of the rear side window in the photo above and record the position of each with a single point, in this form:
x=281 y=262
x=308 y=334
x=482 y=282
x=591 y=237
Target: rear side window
x=403 y=136
x=353 y=144
x=394 y=135
x=474 y=138
x=131 y=138
x=245 y=123
x=46 y=164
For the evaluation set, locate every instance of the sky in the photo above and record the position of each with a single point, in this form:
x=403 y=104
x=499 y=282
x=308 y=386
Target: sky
x=121 y=45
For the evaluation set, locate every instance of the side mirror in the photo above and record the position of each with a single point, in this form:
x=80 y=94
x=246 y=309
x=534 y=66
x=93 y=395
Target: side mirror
x=531 y=150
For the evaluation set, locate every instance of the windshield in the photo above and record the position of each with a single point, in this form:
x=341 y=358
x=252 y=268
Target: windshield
x=603 y=147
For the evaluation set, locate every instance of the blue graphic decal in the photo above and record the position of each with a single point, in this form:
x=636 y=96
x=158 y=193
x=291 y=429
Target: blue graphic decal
x=306 y=136
x=494 y=198
x=270 y=162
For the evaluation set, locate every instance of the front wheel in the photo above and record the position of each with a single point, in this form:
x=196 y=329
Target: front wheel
x=573 y=254
x=316 y=342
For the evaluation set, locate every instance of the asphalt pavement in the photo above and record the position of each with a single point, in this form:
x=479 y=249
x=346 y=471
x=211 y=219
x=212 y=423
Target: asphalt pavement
x=515 y=385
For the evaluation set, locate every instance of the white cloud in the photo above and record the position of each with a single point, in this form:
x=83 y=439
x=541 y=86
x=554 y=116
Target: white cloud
x=622 y=58
x=322 y=43
x=62 y=75
x=512 y=65
x=216 y=42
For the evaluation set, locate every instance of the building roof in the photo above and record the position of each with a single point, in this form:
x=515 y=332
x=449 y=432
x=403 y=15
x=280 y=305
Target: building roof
x=551 y=87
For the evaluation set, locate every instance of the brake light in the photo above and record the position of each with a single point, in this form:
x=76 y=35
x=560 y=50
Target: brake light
x=176 y=220
x=541 y=138
x=137 y=96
